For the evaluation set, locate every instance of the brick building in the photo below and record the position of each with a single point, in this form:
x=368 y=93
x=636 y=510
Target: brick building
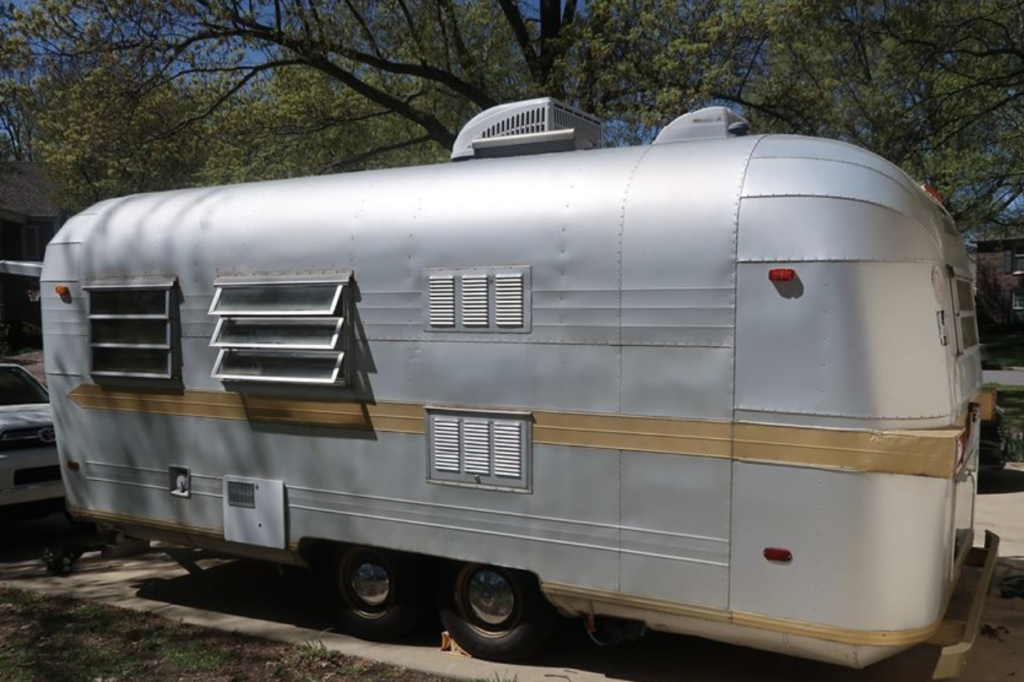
x=1000 y=275
x=29 y=217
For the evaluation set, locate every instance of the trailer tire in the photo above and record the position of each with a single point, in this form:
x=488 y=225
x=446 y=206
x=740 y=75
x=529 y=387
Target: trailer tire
x=380 y=595
x=495 y=613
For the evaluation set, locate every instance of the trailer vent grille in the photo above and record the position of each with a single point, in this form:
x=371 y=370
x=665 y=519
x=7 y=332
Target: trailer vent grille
x=289 y=330
x=474 y=301
x=530 y=127
x=508 y=449
x=446 y=445
x=482 y=299
x=242 y=494
x=508 y=299
x=442 y=301
x=470 y=448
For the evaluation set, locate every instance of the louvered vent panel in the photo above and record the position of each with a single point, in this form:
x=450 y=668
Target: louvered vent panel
x=474 y=301
x=442 y=301
x=476 y=448
x=508 y=300
x=508 y=449
x=446 y=445
x=241 y=494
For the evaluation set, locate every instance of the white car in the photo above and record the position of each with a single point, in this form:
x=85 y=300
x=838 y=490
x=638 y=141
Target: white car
x=30 y=478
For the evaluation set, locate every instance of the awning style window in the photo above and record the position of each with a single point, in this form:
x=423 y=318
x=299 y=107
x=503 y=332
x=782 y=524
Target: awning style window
x=282 y=331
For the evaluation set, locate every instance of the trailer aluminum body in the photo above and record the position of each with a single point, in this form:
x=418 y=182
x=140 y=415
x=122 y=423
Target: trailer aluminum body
x=630 y=372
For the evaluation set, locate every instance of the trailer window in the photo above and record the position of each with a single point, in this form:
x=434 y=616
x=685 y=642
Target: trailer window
x=130 y=330
x=288 y=331
x=966 y=314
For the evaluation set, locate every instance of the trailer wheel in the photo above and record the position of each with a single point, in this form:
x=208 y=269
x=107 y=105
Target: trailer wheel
x=380 y=596
x=496 y=614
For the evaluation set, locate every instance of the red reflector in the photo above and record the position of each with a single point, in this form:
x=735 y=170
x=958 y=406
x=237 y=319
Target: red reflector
x=782 y=274
x=778 y=554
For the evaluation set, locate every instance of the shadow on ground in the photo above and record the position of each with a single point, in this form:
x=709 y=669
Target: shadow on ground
x=1004 y=482
x=293 y=599
x=262 y=592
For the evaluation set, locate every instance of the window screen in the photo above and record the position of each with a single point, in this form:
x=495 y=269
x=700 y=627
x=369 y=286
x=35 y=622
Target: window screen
x=287 y=331
x=130 y=330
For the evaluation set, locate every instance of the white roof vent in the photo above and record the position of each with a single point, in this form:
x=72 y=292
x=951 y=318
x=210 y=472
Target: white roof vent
x=534 y=126
x=702 y=124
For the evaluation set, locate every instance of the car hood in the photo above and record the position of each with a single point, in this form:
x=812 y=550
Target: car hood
x=13 y=416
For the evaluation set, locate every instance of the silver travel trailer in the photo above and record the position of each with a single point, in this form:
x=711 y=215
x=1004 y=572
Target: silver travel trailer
x=720 y=385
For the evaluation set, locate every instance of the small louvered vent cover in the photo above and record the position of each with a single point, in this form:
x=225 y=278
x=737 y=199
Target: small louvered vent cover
x=242 y=494
x=508 y=300
x=484 y=299
x=470 y=449
x=442 y=301
x=508 y=450
x=446 y=445
x=474 y=301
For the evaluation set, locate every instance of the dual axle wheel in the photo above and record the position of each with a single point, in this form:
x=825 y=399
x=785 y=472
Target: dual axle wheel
x=493 y=613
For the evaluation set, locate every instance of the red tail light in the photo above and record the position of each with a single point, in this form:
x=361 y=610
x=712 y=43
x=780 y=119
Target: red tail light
x=782 y=274
x=778 y=554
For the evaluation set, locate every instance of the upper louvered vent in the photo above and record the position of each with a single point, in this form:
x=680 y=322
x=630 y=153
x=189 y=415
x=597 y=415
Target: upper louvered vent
x=475 y=304
x=531 y=127
x=477 y=449
x=508 y=299
x=487 y=299
x=442 y=301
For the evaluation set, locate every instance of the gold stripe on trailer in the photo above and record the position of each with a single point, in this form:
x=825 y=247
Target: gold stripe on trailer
x=397 y=417
x=914 y=453
x=643 y=434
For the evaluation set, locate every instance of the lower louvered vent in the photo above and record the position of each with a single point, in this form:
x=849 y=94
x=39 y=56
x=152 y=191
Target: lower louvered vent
x=479 y=450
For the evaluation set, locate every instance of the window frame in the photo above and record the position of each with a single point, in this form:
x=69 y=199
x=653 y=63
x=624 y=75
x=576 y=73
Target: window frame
x=961 y=315
x=336 y=349
x=1017 y=263
x=1013 y=301
x=168 y=317
x=328 y=312
x=215 y=341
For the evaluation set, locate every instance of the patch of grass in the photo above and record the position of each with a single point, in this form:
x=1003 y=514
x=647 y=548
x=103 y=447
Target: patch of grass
x=313 y=652
x=195 y=659
x=1011 y=400
x=60 y=639
x=1003 y=348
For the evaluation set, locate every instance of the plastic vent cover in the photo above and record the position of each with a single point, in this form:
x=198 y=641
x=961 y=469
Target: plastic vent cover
x=533 y=124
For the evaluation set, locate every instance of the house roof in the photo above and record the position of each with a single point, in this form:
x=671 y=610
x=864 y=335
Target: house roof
x=26 y=189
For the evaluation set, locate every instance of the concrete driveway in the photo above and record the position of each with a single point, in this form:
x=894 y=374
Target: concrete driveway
x=257 y=599
x=1007 y=377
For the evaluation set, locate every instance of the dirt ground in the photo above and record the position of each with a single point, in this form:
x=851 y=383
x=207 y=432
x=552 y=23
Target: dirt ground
x=60 y=639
